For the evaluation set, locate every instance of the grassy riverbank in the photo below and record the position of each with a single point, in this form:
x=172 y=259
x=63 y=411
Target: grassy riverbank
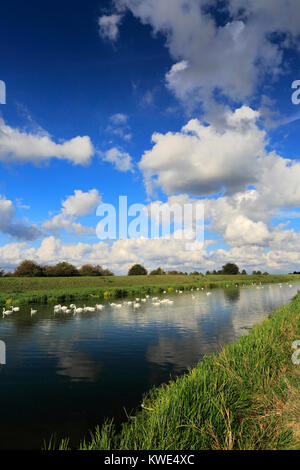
x=246 y=397
x=19 y=290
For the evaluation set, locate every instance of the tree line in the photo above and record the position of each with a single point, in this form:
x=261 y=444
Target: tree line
x=228 y=268
x=29 y=268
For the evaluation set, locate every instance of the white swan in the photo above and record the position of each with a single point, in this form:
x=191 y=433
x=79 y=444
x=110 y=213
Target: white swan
x=78 y=310
x=6 y=312
x=32 y=312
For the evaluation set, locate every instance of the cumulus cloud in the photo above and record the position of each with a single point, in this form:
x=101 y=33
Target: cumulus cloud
x=109 y=26
x=170 y=254
x=13 y=227
x=230 y=57
x=78 y=205
x=201 y=160
x=23 y=147
x=121 y=160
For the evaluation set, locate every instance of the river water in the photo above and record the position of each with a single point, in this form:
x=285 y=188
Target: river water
x=66 y=373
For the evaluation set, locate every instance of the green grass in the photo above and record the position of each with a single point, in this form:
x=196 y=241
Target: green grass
x=247 y=397
x=47 y=289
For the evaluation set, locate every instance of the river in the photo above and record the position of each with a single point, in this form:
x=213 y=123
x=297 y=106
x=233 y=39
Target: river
x=66 y=373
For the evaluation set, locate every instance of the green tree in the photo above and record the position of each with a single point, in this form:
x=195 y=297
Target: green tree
x=230 y=268
x=244 y=272
x=157 y=272
x=90 y=270
x=28 y=268
x=106 y=272
x=65 y=269
x=137 y=270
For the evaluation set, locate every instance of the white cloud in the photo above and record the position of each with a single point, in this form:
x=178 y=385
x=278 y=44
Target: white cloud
x=78 y=205
x=170 y=254
x=121 y=160
x=279 y=181
x=231 y=57
x=202 y=160
x=243 y=231
x=13 y=227
x=23 y=147
x=81 y=204
x=109 y=26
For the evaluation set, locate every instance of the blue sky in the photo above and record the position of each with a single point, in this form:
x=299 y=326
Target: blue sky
x=89 y=84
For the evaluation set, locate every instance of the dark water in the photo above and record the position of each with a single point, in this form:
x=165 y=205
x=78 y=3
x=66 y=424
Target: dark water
x=64 y=374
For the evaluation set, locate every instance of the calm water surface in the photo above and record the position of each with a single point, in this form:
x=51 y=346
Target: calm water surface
x=65 y=373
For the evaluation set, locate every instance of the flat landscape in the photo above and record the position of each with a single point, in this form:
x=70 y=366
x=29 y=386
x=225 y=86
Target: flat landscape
x=47 y=289
x=150 y=227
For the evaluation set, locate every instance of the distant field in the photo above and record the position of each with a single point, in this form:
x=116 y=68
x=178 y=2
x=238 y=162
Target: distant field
x=47 y=289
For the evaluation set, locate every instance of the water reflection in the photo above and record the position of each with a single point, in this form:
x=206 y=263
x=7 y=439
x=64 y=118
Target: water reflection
x=232 y=294
x=66 y=373
x=78 y=366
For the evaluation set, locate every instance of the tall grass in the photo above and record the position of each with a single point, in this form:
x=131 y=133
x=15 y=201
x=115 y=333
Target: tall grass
x=234 y=400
